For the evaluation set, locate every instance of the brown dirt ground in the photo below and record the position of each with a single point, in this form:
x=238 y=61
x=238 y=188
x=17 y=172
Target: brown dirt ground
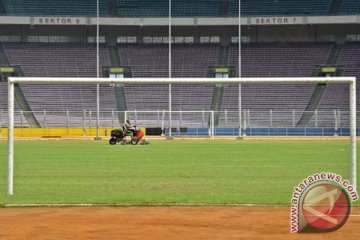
x=159 y=222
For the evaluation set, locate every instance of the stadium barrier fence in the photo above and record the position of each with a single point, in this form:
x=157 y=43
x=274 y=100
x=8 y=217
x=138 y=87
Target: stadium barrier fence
x=184 y=123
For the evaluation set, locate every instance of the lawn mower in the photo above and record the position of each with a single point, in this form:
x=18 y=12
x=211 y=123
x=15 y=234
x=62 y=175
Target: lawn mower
x=125 y=136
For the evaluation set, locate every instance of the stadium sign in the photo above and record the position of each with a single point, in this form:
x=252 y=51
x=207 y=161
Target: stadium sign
x=59 y=21
x=277 y=20
x=321 y=203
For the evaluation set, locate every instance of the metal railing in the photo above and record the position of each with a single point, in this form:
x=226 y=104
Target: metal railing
x=185 y=119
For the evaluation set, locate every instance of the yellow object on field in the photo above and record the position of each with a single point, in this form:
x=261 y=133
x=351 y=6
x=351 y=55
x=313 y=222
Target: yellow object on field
x=58 y=132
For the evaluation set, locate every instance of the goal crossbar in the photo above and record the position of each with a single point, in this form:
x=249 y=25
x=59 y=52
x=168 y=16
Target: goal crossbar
x=266 y=80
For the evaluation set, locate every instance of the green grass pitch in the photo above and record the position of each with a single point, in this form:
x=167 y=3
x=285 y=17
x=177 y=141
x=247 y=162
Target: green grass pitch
x=167 y=172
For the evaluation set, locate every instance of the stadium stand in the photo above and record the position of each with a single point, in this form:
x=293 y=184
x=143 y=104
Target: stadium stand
x=192 y=97
x=145 y=60
x=349 y=59
x=56 y=60
x=57 y=99
x=185 y=97
x=148 y=60
x=152 y=97
x=194 y=60
x=270 y=59
x=160 y=8
x=3 y=105
x=273 y=60
x=180 y=8
x=349 y=7
x=279 y=59
x=260 y=100
x=280 y=8
x=67 y=97
x=152 y=61
x=76 y=60
x=155 y=97
x=55 y=8
x=335 y=95
x=124 y=8
x=60 y=60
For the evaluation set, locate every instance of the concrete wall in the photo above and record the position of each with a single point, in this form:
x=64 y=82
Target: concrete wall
x=257 y=33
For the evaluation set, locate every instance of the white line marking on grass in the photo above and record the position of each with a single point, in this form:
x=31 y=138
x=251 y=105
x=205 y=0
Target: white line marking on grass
x=140 y=205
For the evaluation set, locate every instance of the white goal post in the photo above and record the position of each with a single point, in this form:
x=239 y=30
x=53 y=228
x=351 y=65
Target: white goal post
x=170 y=81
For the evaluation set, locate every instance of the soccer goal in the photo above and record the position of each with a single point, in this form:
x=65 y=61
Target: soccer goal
x=242 y=114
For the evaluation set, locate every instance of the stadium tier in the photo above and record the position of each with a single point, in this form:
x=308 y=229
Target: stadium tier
x=152 y=60
x=56 y=60
x=280 y=59
x=60 y=104
x=280 y=8
x=272 y=60
x=60 y=60
x=147 y=60
x=160 y=8
x=155 y=97
x=194 y=60
x=349 y=7
x=122 y=8
x=180 y=8
x=54 y=8
x=18 y=119
x=349 y=61
x=267 y=102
